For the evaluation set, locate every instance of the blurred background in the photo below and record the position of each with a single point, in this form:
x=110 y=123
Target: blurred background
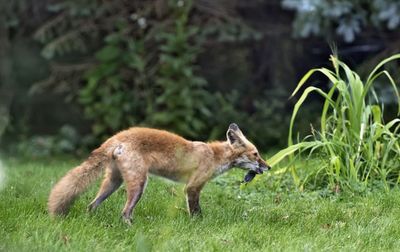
x=74 y=72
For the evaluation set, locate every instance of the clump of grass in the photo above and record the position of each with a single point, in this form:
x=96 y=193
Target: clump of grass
x=354 y=145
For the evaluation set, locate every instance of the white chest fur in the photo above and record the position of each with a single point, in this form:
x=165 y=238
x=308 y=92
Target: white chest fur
x=221 y=169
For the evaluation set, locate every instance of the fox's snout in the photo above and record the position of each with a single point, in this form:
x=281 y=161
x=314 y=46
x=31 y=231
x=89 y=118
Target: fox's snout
x=267 y=167
x=263 y=166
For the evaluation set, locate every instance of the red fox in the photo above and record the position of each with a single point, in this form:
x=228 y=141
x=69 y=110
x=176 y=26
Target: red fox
x=131 y=154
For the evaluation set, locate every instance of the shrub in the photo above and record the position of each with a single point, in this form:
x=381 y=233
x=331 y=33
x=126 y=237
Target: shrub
x=135 y=84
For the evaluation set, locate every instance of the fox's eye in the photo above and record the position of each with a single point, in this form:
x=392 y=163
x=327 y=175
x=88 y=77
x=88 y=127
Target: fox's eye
x=255 y=154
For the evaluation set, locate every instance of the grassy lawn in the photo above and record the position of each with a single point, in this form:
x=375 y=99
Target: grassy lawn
x=254 y=218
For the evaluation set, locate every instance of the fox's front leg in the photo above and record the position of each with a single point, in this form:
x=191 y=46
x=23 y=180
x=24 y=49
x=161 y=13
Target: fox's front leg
x=197 y=180
x=193 y=199
x=193 y=189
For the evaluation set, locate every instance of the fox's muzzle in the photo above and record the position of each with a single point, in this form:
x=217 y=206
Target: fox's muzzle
x=262 y=167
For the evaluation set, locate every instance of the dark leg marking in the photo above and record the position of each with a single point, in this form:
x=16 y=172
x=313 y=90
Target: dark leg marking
x=105 y=192
x=111 y=182
x=193 y=198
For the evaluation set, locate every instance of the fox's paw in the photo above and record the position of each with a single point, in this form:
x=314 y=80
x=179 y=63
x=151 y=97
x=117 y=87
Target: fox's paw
x=91 y=207
x=127 y=220
x=195 y=212
x=196 y=216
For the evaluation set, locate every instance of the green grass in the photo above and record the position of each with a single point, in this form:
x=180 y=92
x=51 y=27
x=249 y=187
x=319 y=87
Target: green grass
x=254 y=218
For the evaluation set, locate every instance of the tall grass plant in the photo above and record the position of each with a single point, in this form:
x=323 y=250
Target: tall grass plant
x=355 y=147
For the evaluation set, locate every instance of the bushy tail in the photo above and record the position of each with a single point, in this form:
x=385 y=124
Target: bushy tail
x=75 y=182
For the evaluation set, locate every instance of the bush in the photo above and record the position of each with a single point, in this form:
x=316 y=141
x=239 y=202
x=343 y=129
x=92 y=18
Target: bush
x=126 y=88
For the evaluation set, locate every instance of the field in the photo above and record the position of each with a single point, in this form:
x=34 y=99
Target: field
x=255 y=218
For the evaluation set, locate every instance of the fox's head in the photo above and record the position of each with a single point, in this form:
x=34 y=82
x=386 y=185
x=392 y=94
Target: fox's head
x=245 y=154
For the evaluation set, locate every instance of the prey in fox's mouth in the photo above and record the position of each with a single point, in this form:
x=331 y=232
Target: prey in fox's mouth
x=250 y=175
x=252 y=162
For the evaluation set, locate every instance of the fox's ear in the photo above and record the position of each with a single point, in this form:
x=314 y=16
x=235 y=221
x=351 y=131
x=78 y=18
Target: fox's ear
x=234 y=135
x=234 y=127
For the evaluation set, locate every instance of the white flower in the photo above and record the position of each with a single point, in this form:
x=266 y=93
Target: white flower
x=142 y=22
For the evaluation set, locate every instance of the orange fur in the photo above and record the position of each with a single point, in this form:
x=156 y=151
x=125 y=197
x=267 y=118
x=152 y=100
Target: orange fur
x=75 y=182
x=131 y=154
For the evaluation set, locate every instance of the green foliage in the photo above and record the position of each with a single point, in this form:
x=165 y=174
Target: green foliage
x=65 y=33
x=110 y=97
x=345 y=17
x=146 y=70
x=183 y=103
x=163 y=64
x=134 y=84
x=356 y=148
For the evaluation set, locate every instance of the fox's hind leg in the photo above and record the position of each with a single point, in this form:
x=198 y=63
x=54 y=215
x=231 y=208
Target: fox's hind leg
x=135 y=185
x=112 y=181
x=134 y=172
